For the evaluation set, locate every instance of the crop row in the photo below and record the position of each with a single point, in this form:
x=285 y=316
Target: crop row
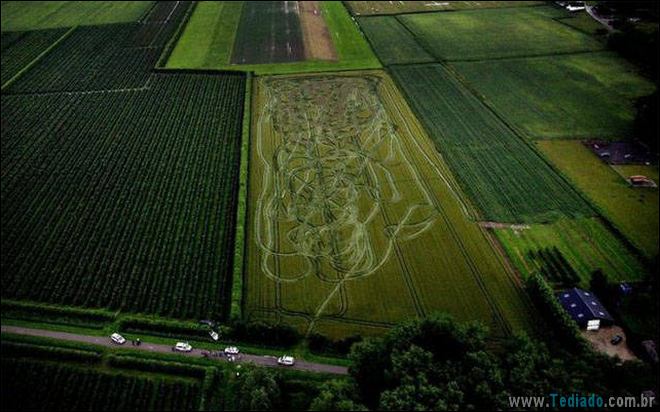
x=20 y=48
x=505 y=178
x=114 y=56
x=131 y=195
x=66 y=387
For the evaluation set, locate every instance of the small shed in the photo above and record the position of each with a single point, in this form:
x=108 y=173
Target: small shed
x=585 y=308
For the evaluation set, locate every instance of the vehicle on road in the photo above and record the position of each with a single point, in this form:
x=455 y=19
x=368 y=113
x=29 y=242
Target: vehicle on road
x=232 y=350
x=207 y=322
x=117 y=338
x=214 y=335
x=616 y=340
x=182 y=347
x=286 y=360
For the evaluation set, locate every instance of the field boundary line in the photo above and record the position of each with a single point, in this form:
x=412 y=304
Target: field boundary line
x=240 y=238
x=39 y=57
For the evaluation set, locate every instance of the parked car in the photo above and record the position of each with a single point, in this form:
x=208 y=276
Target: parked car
x=182 y=347
x=232 y=350
x=117 y=338
x=214 y=335
x=209 y=323
x=616 y=340
x=286 y=360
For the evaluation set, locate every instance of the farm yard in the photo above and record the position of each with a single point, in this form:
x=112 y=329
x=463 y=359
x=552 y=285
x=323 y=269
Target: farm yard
x=505 y=178
x=343 y=196
x=123 y=183
x=314 y=36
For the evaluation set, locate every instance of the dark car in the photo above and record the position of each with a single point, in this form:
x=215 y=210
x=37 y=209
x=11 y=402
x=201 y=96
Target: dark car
x=207 y=322
x=616 y=340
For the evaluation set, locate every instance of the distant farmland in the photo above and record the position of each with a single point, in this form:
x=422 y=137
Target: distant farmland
x=504 y=177
x=573 y=96
x=280 y=37
x=355 y=221
x=392 y=42
x=129 y=176
x=634 y=211
x=359 y=8
x=497 y=33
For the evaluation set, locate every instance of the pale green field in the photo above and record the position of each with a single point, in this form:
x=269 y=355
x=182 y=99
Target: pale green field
x=634 y=211
x=586 y=244
x=356 y=220
x=32 y=15
x=588 y=95
x=208 y=39
x=496 y=33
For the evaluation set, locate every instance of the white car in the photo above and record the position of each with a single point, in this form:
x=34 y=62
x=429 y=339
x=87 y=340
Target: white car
x=286 y=360
x=214 y=335
x=232 y=350
x=117 y=338
x=182 y=347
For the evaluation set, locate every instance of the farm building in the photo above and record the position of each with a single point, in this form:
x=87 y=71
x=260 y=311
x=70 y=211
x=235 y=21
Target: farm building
x=585 y=308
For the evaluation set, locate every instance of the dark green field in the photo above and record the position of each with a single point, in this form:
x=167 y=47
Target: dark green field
x=504 y=177
x=268 y=32
x=130 y=176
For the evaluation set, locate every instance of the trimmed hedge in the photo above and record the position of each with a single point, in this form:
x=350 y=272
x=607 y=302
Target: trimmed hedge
x=321 y=344
x=563 y=326
x=17 y=349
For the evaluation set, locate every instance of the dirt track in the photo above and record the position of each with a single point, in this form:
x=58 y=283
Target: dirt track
x=269 y=361
x=317 y=39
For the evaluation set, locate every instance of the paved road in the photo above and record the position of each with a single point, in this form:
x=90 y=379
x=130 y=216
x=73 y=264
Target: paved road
x=270 y=361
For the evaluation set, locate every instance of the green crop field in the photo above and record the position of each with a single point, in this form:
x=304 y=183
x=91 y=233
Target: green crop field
x=130 y=176
x=574 y=96
x=497 y=33
x=210 y=36
x=355 y=220
x=585 y=23
x=31 y=15
x=504 y=177
x=391 y=41
x=585 y=244
x=634 y=211
x=19 y=49
x=366 y=8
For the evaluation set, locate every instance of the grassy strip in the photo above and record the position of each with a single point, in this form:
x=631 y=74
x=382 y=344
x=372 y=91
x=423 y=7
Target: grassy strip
x=36 y=59
x=235 y=311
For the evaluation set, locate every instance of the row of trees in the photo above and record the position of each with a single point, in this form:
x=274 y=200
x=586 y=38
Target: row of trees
x=439 y=364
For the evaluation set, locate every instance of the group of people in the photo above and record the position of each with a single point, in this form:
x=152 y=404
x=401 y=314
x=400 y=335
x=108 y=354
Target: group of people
x=136 y=342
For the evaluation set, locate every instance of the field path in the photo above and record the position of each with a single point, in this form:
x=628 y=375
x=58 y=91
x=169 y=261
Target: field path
x=268 y=361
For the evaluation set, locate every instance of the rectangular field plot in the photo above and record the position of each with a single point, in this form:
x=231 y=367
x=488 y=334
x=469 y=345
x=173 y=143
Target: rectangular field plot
x=353 y=218
x=504 y=177
x=268 y=32
x=587 y=95
x=32 y=15
x=632 y=210
x=568 y=251
x=497 y=33
x=391 y=41
x=119 y=190
x=359 y=8
x=278 y=37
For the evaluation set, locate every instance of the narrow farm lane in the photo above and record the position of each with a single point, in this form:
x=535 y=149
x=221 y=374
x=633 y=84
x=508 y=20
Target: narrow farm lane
x=268 y=361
